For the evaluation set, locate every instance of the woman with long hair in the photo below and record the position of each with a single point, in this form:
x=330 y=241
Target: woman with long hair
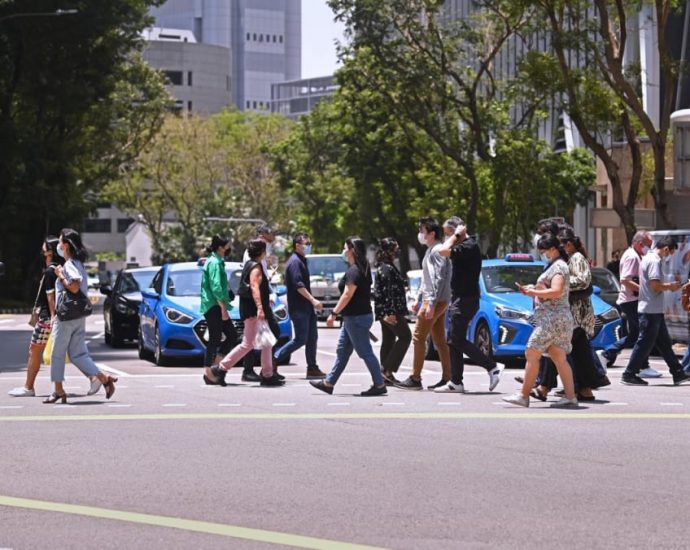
x=390 y=308
x=215 y=303
x=553 y=323
x=69 y=337
x=355 y=307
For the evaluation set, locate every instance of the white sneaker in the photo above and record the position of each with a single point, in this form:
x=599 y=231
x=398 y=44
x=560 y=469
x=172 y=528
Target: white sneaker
x=649 y=372
x=450 y=387
x=96 y=385
x=564 y=403
x=517 y=399
x=602 y=358
x=494 y=378
x=22 y=392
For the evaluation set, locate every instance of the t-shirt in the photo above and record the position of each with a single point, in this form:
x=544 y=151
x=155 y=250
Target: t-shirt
x=466 y=259
x=73 y=270
x=296 y=277
x=650 y=301
x=47 y=287
x=629 y=269
x=360 y=303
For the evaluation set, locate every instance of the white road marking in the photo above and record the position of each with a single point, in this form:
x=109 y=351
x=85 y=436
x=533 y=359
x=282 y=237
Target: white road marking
x=99 y=336
x=671 y=404
x=7 y=320
x=616 y=404
x=387 y=403
x=449 y=403
x=229 y=405
x=338 y=404
x=119 y=405
x=284 y=404
x=351 y=385
x=175 y=404
x=326 y=353
x=12 y=407
x=165 y=386
x=99 y=322
x=108 y=368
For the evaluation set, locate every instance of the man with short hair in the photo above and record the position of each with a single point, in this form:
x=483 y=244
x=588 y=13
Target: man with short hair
x=628 y=301
x=302 y=307
x=432 y=302
x=466 y=260
x=653 y=329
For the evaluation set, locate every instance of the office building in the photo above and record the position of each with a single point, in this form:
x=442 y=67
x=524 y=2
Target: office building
x=298 y=97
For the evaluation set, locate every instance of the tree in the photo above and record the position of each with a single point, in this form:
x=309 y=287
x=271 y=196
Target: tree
x=76 y=102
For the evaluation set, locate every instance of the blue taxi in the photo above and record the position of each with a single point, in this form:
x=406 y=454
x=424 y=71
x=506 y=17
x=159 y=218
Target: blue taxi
x=170 y=323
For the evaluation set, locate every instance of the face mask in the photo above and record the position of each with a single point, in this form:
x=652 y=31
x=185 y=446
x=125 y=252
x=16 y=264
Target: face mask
x=545 y=258
x=343 y=255
x=307 y=249
x=420 y=238
x=269 y=249
x=645 y=249
x=60 y=252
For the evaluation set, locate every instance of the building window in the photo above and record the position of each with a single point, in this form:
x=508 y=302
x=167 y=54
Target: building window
x=123 y=224
x=280 y=38
x=103 y=205
x=189 y=78
x=189 y=106
x=97 y=225
x=249 y=37
x=261 y=38
x=275 y=38
x=254 y=37
x=249 y=105
x=253 y=104
x=227 y=82
x=174 y=77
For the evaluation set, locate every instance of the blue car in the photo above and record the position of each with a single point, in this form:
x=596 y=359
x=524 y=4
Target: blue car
x=502 y=325
x=170 y=323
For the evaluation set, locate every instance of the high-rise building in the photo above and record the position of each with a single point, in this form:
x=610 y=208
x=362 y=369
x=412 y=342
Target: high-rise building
x=264 y=36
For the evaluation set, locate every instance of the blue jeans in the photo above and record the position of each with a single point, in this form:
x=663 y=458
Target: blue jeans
x=653 y=332
x=306 y=334
x=685 y=362
x=69 y=337
x=355 y=336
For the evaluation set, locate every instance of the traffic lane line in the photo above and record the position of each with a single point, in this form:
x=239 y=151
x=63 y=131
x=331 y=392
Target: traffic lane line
x=205 y=527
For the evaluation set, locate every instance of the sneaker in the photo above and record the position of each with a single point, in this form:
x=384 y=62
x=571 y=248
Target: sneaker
x=374 y=391
x=315 y=374
x=409 y=384
x=517 y=399
x=95 y=387
x=272 y=381
x=438 y=384
x=564 y=403
x=494 y=378
x=649 y=372
x=321 y=385
x=603 y=358
x=451 y=387
x=633 y=380
x=250 y=376
x=22 y=392
x=389 y=379
x=681 y=378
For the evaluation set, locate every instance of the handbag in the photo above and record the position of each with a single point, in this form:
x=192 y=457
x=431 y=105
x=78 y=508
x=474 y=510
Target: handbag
x=73 y=306
x=264 y=336
x=36 y=310
x=685 y=297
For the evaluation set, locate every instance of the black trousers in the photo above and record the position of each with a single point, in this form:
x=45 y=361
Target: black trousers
x=580 y=359
x=395 y=339
x=461 y=312
x=216 y=329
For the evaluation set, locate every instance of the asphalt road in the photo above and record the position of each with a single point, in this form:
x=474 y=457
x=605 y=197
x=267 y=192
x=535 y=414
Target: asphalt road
x=172 y=463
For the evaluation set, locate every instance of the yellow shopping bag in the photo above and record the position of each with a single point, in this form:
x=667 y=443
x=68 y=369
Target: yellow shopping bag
x=48 y=351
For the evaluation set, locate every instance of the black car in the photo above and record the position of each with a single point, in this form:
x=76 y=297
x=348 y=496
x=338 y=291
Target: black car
x=121 y=306
x=607 y=283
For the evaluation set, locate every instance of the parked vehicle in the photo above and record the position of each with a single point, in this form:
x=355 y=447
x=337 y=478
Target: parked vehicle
x=608 y=285
x=414 y=280
x=121 y=305
x=170 y=322
x=325 y=272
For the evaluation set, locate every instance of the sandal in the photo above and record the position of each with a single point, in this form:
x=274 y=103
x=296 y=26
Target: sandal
x=55 y=397
x=537 y=394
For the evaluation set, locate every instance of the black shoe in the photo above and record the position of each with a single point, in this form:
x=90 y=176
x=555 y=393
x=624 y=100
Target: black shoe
x=681 y=378
x=321 y=385
x=633 y=380
x=315 y=373
x=219 y=375
x=441 y=382
x=374 y=391
x=602 y=382
x=272 y=381
x=389 y=379
x=250 y=376
x=279 y=376
x=409 y=384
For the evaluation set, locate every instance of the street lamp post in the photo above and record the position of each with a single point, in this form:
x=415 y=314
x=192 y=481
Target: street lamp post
x=56 y=13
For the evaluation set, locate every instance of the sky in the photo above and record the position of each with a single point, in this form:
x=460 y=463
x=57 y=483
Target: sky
x=319 y=33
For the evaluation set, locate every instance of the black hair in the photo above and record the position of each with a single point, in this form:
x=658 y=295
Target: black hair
x=567 y=235
x=73 y=240
x=216 y=242
x=256 y=248
x=359 y=248
x=299 y=239
x=547 y=241
x=547 y=226
x=432 y=226
x=385 y=251
x=667 y=240
x=264 y=229
x=51 y=242
x=454 y=222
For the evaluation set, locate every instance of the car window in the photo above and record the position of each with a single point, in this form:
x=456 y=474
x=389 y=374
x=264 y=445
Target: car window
x=134 y=281
x=328 y=268
x=157 y=283
x=414 y=283
x=234 y=280
x=184 y=283
x=502 y=278
x=604 y=280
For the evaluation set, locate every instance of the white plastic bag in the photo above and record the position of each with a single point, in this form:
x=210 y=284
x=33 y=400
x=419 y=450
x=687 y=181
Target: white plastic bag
x=264 y=337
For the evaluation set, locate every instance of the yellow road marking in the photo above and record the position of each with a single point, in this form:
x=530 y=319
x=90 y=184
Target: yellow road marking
x=526 y=415
x=259 y=535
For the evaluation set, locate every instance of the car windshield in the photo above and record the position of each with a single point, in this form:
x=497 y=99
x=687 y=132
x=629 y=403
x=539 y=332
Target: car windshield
x=604 y=280
x=327 y=267
x=414 y=283
x=134 y=281
x=502 y=278
x=188 y=283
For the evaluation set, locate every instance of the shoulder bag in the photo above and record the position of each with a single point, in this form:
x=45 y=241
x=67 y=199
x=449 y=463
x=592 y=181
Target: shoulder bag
x=72 y=306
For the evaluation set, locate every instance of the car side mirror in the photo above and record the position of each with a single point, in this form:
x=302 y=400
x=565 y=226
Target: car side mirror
x=106 y=290
x=596 y=290
x=281 y=290
x=150 y=293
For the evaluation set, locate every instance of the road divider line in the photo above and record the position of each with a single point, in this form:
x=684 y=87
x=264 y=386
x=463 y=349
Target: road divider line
x=174 y=404
x=208 y=528
x=671 y=404
x=108 y=368
x=338 y=404
x=229 y=405
x=284 y=404
x=12 y=407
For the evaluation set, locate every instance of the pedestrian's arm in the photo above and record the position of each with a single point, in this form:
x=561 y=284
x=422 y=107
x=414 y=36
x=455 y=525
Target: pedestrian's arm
x=457 y=237
x=555 y=291
x=437 y=272
x=219 y=293
x=580 y=273
x=345 y=298
x=50 y=296
x=658 y=286
x=630 y=285
x=255 y=278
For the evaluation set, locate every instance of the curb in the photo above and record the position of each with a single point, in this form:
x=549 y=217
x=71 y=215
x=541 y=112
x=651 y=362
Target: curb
x=27 y=311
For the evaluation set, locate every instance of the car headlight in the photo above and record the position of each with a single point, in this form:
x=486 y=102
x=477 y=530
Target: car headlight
x=610 y=314
x=125 y=308
x=177 y=317
x=508 y=313
x=280 y=313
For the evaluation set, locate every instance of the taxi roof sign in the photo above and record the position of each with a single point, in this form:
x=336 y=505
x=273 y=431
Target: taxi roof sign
x=519 y=257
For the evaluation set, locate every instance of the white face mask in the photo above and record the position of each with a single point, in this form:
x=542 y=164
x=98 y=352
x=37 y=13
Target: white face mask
x=307 y=249
x=645 y=249
x=420 y=238
x=545 y=258
x=60 y=251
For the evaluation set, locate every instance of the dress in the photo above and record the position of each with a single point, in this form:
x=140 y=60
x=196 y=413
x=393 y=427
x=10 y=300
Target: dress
x=581 y=304
x=553 y=322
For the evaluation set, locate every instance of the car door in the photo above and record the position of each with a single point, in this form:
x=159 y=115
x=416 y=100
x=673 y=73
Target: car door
x=147 y=311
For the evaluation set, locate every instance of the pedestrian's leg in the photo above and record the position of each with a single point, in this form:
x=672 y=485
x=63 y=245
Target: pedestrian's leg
x=438 y=336
x=79 y=353
x=359 y=336
x=312 y=342
x=665 y=347
x=558 y=356
x=685 y=362
x=581 y=354
x=456 y=340
x=422 y=327
x=231 y=339
x=33 y=364
x=387 y=342
x=246 y=346
x=532 y=357
x=342 y=353
x=649 y=328
x=402 y=343
x=214 y=322
x=300 y=326
x=267 y=362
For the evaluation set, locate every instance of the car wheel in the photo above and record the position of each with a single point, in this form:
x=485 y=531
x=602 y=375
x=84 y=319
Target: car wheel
x=160 y=359
x=143 y=352
x=482 y=339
